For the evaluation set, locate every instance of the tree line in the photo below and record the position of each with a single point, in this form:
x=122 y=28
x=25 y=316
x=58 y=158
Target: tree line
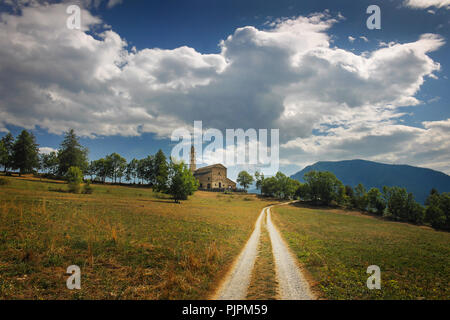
x=70 y=162
x=323 y=188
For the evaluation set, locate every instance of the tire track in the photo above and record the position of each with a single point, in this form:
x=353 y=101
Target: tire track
x=237 y=281
x=292 y=283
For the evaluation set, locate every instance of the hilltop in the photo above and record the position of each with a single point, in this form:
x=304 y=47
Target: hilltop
x=417 y=180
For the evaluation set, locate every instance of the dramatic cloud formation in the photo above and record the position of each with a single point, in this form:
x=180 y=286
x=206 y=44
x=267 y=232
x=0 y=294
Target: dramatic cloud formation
x=329 y=103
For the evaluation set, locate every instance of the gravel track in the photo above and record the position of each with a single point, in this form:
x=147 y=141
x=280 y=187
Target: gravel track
x=292 y=283
x=237 y=281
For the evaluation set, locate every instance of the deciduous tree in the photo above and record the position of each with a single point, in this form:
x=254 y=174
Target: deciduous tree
x=181 y=181
x=244 y=179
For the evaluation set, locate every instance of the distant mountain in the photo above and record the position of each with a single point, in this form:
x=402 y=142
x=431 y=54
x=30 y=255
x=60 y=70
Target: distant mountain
x=417 y=180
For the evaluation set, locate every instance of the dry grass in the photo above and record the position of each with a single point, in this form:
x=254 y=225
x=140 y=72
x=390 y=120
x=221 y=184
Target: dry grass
x=336 y=247
x=129 y=242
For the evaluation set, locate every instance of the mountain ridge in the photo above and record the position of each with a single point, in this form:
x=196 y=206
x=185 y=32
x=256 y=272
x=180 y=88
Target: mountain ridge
x=417 y=180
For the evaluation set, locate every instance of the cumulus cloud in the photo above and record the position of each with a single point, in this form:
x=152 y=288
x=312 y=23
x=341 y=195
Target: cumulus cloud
x=351 y=39
x=423 y=4
x=386 y=142
x=46 y=150
x=286 y=76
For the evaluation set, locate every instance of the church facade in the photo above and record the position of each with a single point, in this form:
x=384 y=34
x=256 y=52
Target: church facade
x=211 y=177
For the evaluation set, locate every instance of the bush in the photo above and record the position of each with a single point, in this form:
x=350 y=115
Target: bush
x=74 y=177
x=87 y=189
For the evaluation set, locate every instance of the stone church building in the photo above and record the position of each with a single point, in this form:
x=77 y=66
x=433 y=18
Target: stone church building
x=211 y=177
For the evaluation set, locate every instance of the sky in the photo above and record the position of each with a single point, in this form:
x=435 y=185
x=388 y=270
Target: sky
x=138 y=70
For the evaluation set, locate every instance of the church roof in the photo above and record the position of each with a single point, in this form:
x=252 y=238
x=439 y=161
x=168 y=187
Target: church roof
x=207 y=168
x=229 y=180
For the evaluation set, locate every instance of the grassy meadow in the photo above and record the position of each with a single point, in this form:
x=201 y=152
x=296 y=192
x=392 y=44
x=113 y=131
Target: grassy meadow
x=336 y=247
x=129 y=242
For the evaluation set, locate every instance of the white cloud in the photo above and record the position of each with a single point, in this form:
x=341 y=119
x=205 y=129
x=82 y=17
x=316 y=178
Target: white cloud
x=112 y=3
x=47 y=150
x=351 y=39
x=423 y=4
x=18 y=5
x=378 y=141
x=286 y=76
x=364 y=38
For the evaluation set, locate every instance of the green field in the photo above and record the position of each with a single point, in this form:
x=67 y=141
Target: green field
x=336 y=247
x=129 y=242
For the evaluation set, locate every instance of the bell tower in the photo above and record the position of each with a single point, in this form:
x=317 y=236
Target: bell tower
x=192 y=165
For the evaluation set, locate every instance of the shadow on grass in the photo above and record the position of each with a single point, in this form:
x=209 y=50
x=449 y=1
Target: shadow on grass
x=60 y=190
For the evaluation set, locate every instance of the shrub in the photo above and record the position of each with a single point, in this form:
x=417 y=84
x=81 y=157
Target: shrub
x=87 y=189
x=74 y=177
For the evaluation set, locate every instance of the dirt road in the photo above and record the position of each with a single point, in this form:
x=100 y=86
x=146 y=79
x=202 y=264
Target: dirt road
x=237 y=281
x=292 y=283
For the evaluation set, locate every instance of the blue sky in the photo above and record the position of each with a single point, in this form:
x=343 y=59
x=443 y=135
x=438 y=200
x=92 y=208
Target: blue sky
x=347 y=92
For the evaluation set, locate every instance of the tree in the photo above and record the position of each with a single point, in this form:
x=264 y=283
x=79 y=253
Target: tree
x=291 y=189
x=402 y=206
x=3 y=154
x=259 y=178
x=324 y=187
x=285 y=186
x=25 y=153
x=360 y=197
x=74 y=177
x=131 y=170
x=396 y=199
x=269 y=187
x=244 y=179
x=6 y=156
x=116 y=165
x=375 y=201
x=161 y=172
x=281 y=186
x=50 y=162
x=302 y=192
x=437 y=212
x=101 y=169
x=71 y=153
x=141 y=170
x=149 y=170
x=91 y=169
x=181 y=181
